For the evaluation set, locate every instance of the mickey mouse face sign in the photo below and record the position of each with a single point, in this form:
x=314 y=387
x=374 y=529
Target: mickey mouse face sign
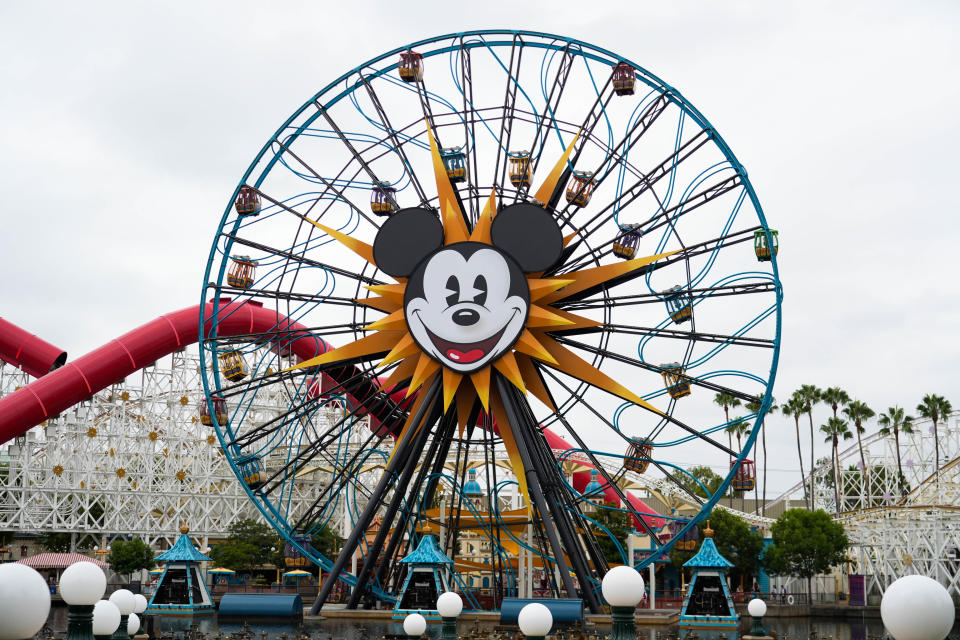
x=466 y=303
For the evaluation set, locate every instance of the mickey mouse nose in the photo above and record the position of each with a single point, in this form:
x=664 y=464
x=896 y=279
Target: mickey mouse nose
x=466 y=317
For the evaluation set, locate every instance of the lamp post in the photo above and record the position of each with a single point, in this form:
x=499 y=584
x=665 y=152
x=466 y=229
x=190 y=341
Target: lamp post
x=106 y=619
x=414 y=625
x=125 y=602
x=140 y=605
x=24 y=601
x=535 y=621
x=623 y=590
x=81 y=585
x=757 y=608
x=917 y=608
x=449 y=605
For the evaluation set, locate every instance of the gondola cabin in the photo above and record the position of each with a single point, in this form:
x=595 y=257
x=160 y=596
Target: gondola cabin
x=638 y=455
x=760 y=246
x=580 y=188
x=624 y=79
x=745 y=478
x=411 y=66
x=251 y=470
x=382 y=197
x=219 y=410
x=686 y=542
x=247 y=202
x=520 y=169
x=242 y=273
x=454 y=161
x=676 y=383
x=678 y=304
x=625 y=245
x=293 y=558
x=233 y=366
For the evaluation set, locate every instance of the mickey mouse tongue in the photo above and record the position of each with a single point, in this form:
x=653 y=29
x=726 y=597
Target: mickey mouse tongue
x=465 y=353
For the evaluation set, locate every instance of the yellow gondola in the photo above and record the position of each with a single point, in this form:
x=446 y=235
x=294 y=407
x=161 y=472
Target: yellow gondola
x=233 y=366
x=242 y=273
x=638 y=455
x=520 y=169
x=676 y=383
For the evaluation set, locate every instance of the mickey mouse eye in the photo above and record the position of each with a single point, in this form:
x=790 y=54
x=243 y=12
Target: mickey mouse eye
x=453 y=291
x=480 y=286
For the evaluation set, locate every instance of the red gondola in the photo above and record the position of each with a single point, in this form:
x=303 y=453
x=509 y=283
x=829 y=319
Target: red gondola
x=248 y=202
x=411 y=66
x=745 y=478
x=580 y=188
x=219 y=410
x=624 y=79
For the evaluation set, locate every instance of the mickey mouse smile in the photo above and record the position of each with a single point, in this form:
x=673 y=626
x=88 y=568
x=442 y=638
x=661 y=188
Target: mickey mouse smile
x=465 y=353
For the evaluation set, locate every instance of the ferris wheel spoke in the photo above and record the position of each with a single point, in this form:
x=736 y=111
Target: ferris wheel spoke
x=764 y=286
x=552 y=104
x=692 y=336
x=506 y=123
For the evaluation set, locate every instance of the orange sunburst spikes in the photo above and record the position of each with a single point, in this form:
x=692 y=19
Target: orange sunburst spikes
x=534 y=382
x=451 y=381
x=540 y=287
x=507 y=365
x=527 y=343
x=573 y=365
x=454 y=226
x=362 y=249
x=414 y=409
x=586 y=278
x=481 y=382
x=392 y=292
x=466 y=396
x=381 y=304
x=380 y=342
x=403 y=371
x=404 y=348
x=426 y=367
x=396 y=321
x=550 y=184
x=481 y=231
x=543 y=317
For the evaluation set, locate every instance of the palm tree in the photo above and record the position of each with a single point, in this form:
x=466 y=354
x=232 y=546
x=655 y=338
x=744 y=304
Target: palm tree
x=858 y=412
x=934 y=407
x=728 y=402
x=835 y=429
x=809 y=396
x=895 y=422
x=835 y=397
x=793 y=407
x=754 y=407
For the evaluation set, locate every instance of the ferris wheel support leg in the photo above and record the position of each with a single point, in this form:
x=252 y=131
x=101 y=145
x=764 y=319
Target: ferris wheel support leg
x=536 y=494
x=360 y=529
x=410 y=460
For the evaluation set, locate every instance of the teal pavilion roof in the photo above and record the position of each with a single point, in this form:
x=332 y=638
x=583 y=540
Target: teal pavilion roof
x=593 y=488
x=472 y=487
x=427 y=552
x=708 y=557
x=182 y=551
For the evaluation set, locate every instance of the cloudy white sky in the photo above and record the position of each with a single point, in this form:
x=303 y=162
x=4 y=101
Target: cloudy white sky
x=124 y=128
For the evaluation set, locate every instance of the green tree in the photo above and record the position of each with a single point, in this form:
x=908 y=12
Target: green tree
x=805 y=544
x=895 y=422
x=250 y=543
x=327 y=542
x=934 y=407
x=129 y=556
x=55 y=542
x=858 y=412
x=810 y=395
x=735 y=541
x=835 y=429
x=755 y=407
x=835 y=397
x=619 y=524
x=728 y=402
x=707 y=477
x=794 y=407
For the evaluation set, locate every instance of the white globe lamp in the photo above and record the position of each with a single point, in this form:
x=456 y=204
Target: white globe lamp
x=917 y=608
x=106 y=619
x=126 y=603
x=449 y=606
x=24 y=601
x=622 y=588
x=140 y=603
x=81 y=585
x=757 y=608
x=535 y=621
x=414 y=625
x=133 y=624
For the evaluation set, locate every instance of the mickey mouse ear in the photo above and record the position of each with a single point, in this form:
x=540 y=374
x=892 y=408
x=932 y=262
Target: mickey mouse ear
x=529 y=234
x=406 y=238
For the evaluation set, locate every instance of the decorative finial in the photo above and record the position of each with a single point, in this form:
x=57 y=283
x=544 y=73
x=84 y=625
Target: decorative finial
x=708 y=532
x=184 y=529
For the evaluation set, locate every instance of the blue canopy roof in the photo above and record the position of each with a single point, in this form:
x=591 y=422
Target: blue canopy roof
x=708 y=557
x=427 y=553
x=182 y=551
x=593 y=489
x=472 y=488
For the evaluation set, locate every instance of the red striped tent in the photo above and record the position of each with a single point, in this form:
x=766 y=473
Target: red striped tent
x=58 y=560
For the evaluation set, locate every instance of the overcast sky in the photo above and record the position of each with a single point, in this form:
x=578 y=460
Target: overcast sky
x=124 y=128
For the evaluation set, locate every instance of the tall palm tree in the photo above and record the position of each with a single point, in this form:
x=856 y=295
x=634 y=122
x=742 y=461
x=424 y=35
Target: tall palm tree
x=835 y=429
x=793 y=407
x=894 y=421
x=858 y=412
x=835 y=397
x=934 y=407
x=810 y=395
x=754 y=407
x=728 y=402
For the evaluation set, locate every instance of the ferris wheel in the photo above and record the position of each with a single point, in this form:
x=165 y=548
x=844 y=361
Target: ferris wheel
x=489 y=243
